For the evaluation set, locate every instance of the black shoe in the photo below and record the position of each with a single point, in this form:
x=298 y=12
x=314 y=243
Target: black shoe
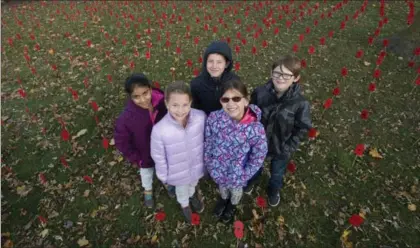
x=274 y=199
x=220 y=207
x=229 y=213
x=248 y=190
x=187 y=214
x=197 y=204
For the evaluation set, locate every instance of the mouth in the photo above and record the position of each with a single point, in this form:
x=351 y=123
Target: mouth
x=232 y=110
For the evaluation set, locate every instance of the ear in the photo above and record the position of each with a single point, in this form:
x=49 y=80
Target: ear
x=166 y=104
x=296 y=79
x=246 y=101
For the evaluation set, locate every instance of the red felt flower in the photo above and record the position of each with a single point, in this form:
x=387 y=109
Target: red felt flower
x=196 y=72
x=377 y=73
x=344 y=71
x=238 y=229
x=418 y=81
x=64 y=162
x=311 y=50
x=196 y=40
x=195 y=219
x=291 y=167
x=288 y=24
x=200 y=60
x=336 y=91
x=377 y=32
x=343 y=25
x=322 y=41
x=105 y=143
x=42 y=178
x=359 y=53
x=331 y=33
x=238 y=35
x=156 y=84
x=364 y=114
x=411 y=63
x=265 y=44
x=37 y=47
x=356 y=220
x=370 y=40
x=237 y=66
x=316 y=22
x=372 y=87
x=160 y=216
x=327 y=103
x=307 y=30
x=189 y=63
x=276 y=30
x=94 y=106
x=88 y=179
x=22 y=93
x=261 y=202
x=295 y=48
x=359 y=150
x=89 y=43
x=385 y=42
x=65 y=135
x=132 y=65
x=109 y=76
x=147 y=55
x=42 y=219
x=301 y=37
x=254 y=50
x=243 y=41
x=416 y=51
x=178 y=50
x=379 y=61
x=215 y=29
x=312 y=133
x=303 y=63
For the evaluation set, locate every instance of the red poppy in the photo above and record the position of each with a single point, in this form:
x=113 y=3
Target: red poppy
x=336 y=91
x=89 y=43
x=370 y=40
x=295 y=48
x=331 y=33
x=195 y=219
x=196 y=40
x=200 y=60
x=196 y=72
x=364 y=114
x=215 y=29
x=359 y=54
x=303 y=63
x=243 y=41
x=276 y=30
x=237 y=66
x=261 y=202
x=312 y=133
x=42 y=219
x=160 y=216
x=85 y=82
x=377 y=32
x=65 y=135
x=411 y=63
x=64 y=162
x=417 y=51
x=322 y=41
x=54 y=67
x=123 y=42
x=178 y=50
x=156 y=84
x=254 y=50
x=75 y=95
x=311 y=50
x=344 y=71
x=32 y=36
x=105 y=143
x=288 y=24
x=238 y=35
x=94 y=106
x=385 y=42
x=147 y=55
x=377 y=73
x=265 y=44
x=307 y=30
x=228 y=40
x=189 y=63
x=37 y=47
x=379 y=61
x=327 y=103
x=301 y=37
x=359 y=150
x=316 y=22
x=382 y=54
x=291 y=167
x=109 y=76
x=22 y=93
x=418 y=81
x=88 y=179
x=206 y=27
x=343 y=25
x=356 y=220
x=372 y=87
x=42 y=178
x=239 y=229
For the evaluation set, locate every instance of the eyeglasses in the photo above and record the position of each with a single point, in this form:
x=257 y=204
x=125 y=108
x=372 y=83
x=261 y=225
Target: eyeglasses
x=276 y=74
x=227 y=99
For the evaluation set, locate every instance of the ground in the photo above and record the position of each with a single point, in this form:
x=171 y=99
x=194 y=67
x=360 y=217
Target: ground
x=63 y=67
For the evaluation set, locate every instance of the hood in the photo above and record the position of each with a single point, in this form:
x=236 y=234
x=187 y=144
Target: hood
x=157 y=96
x=255 y=111
x=291 y=93
x=221 y=48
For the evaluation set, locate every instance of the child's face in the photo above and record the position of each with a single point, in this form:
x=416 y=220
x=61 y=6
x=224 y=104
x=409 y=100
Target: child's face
x=142 y=96
x=179 y=106
x=283 y=78
x=216 y=64
x=234 y=103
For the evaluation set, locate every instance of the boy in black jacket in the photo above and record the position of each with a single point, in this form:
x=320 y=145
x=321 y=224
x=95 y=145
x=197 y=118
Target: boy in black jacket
x=286 y=119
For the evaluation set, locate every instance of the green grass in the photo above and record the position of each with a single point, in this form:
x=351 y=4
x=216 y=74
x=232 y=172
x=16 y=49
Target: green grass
x=317 y=200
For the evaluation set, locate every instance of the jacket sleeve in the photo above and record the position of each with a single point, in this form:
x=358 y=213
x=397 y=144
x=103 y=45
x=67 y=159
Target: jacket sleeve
x=254 y=99
x=157 y=151
x=122 y=137
x=196 y=101
x=301 y=128
x=208 y=145
x=258 y=152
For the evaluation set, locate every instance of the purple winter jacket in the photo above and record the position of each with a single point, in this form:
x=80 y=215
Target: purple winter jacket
x=178 y=151
x=134 y=127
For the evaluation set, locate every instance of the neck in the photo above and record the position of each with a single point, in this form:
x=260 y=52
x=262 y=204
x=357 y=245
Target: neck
x=280 y=93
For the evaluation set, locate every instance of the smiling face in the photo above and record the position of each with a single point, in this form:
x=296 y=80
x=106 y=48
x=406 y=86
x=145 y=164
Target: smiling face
x=234 y=104
x=216 y=64
x=283 y=78
x=142 y=96
x=179 y=106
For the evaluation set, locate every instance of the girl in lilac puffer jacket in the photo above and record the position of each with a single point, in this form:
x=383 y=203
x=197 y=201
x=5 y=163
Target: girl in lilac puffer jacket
x=177 y=143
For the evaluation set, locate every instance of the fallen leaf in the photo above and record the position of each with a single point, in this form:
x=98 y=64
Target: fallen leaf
x=22 y=190
x=112 y=142
x=51 y=51
x=366 y=63
x=86 y=193
x=256 y=216
x=280 y=220
x=374 y=153
x=83 y=242
x=412 y=207
x=44 y=233
x=8 y=244
x=154 y=239
x=80 y=133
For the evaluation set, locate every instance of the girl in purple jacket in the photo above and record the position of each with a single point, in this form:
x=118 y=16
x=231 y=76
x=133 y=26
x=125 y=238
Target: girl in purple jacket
x=144 y=108
x=235 y=146
x=177 y=147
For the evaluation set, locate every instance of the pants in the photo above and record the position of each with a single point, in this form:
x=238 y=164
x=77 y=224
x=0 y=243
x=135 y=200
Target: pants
x=277 y=170
x=146 y=176
x=235 y=195
x=184 y=192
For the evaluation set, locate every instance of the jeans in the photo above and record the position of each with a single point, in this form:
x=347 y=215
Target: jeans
x=184 y=192
x=234 y=194
x=277 y=169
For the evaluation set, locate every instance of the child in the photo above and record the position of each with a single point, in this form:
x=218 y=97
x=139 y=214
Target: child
x=144 y=108
x=286 y=118
x=217 y=69
x=235 y=146
x=177 y=147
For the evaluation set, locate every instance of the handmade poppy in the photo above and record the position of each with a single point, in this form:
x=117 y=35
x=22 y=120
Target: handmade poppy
x=301 y=37
x=88 y=179
x=42 y=178
x=356 y=220
x=65 y=135
x=336 y=91
x=312 y=133
x=372 y=87
x=196 y=72
x=237 y=66
x=311 y=50
x=418 y=81
x=377 y=73
x=94 y=106
x=265 y=44
x=276 y=30
x=196 y=40
x=291 y=167
x=411 y=63
x=89 y=43
x=109 y=76
x=195 y=219
x=147 y=55
x=359 y=53
x=322 y=41
x=64 y=162
x=42 y=219
x=160 y=216
x=189 y=63
x=238 y=229
x=254 y=50
x=370 y=40
x=364 y=114
x=344 y=71
x=303 y=63
x=22 y=93
x=327 y=103
x=261 y=202
x=105 y=143
x=343 y=25
x=243 y=41
x=331 y=33
x=295 y=48
x=359 y=150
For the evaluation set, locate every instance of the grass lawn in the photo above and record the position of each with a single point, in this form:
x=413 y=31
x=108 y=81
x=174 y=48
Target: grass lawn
x=63 y=67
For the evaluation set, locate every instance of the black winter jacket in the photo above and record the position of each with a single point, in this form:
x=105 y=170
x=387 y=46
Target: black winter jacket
x=206 y=91
x=286 y=119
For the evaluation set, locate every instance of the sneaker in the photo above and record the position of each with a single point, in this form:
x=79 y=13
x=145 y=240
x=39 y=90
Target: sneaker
x=197 y=204
x=274 y=199
x=187 y=214
x=248 y=190
x=220 y=207
x=229 y=213
x=171 y=191
x=148 y=198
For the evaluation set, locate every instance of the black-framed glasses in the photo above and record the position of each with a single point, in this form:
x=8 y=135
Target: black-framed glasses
x=227 y=99
x=276 y=74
